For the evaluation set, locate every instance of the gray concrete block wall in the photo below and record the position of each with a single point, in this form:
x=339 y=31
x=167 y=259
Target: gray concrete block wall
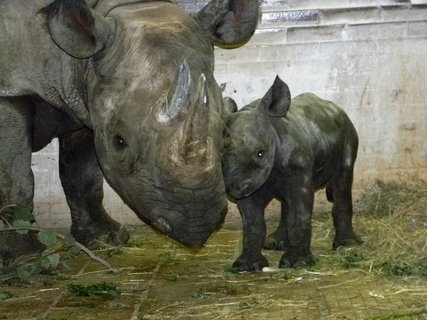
x=368 y=56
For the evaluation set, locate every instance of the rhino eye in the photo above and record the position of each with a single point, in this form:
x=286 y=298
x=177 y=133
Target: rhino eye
x=119 y=142
x=260 y=153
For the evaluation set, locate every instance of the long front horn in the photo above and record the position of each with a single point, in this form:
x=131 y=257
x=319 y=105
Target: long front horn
x=178 y=99
x=195 y=135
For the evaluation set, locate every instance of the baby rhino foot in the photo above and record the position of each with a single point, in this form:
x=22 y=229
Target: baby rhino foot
x=296 y=261
x=347 y=241
x=250 y=262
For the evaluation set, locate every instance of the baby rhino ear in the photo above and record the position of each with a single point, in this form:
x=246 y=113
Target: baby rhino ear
x=277 y=100
x=228 y=105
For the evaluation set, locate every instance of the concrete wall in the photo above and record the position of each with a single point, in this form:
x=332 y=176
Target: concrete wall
x=368 y=56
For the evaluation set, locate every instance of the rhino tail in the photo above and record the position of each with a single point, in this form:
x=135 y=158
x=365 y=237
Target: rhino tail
x=329 y=193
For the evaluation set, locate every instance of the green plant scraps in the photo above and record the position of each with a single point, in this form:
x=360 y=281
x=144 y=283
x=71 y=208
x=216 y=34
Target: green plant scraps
x=400 y=314
x=29 y=252
x=104 y=289
x=247 y=304
x=4 y=295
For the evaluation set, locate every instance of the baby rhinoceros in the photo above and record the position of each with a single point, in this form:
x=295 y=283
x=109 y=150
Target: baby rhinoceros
x=275 y=148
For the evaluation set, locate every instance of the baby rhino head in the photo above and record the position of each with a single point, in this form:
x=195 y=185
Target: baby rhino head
x=250 y=140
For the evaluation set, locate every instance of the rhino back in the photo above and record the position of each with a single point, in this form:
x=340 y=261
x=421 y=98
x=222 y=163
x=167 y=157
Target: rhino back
x=313 y=135
x=23 y=41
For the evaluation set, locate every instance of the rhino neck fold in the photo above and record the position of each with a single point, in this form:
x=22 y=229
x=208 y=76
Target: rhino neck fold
x=67 y=91
x=104 y=7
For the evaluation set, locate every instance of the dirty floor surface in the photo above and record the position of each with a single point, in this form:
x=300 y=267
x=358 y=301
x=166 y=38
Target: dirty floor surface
x=160 y=279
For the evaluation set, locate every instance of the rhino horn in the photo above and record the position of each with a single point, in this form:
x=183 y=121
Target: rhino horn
x=178 y=98
x=195 y=133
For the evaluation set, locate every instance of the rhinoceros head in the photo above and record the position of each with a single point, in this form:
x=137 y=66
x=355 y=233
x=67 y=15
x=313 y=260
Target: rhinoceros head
x=251 y=141
x=155 y=106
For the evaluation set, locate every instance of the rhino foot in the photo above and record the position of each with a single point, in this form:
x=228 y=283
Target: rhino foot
x=351 y=240
x=15 y=246
x=95 y=234
x=296 y=261
x=250 y=263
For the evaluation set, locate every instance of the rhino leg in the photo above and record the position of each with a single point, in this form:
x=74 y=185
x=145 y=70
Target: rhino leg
x=299 y=197
x=16 y=176
x=252 y=211
x=342 y=209
x=340 y=189
x=278 y=240
x=82 y=180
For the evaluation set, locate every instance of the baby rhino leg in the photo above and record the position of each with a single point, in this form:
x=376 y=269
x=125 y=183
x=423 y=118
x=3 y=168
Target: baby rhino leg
x=342 y=210
x=278 y=240
x=299 y=197
x=252 y=211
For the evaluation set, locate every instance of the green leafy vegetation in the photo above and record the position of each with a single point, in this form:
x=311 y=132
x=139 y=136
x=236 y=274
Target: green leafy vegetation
x=196 y=294
x=247 y=304
x=402 y=269
x=171 y=277
x=231 y=270
x=400 y=314
x=352 y=258
x=104 y=289
x=28 y=252
x=4 y=295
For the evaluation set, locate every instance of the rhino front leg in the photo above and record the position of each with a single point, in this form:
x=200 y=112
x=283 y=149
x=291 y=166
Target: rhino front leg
x=252 y=211
x=299 y=197
x=278 y=240
x=16 y=176
x=82 y=180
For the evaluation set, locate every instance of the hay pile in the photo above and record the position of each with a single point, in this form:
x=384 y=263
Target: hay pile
x=392 y=220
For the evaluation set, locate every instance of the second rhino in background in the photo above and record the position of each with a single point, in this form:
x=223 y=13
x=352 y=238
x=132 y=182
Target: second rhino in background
x=275 y=148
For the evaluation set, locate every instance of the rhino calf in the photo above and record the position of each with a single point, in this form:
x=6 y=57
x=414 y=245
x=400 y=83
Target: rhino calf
x=275 y=148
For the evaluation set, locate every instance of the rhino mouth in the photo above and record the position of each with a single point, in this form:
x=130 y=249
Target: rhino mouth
x=239 y=190
x=192 y=229
x=188 y=216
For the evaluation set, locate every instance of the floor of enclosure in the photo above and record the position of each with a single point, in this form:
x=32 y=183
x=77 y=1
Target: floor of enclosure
x=159 y=279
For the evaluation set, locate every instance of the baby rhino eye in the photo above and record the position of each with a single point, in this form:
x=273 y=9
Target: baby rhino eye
x=119 y=142
x=260 y=153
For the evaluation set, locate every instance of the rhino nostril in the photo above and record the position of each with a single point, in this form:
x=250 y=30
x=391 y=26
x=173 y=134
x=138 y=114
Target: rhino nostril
x=163 y=225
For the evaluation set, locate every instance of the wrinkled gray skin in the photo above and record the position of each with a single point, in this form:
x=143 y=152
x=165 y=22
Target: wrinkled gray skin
x=278 y=149
x=128 y=88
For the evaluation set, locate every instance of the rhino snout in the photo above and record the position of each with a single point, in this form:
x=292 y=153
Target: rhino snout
x=165 y=220
x=186 y=228
x=238 y=189
x=163 y=225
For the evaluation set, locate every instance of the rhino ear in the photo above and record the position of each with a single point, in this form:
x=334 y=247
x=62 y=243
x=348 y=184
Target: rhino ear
x=228 y=105
x=77 y=29
x=229 y=23
x=277 y=100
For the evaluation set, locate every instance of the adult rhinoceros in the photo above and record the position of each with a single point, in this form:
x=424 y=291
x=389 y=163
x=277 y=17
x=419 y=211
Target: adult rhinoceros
x=128 y=88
